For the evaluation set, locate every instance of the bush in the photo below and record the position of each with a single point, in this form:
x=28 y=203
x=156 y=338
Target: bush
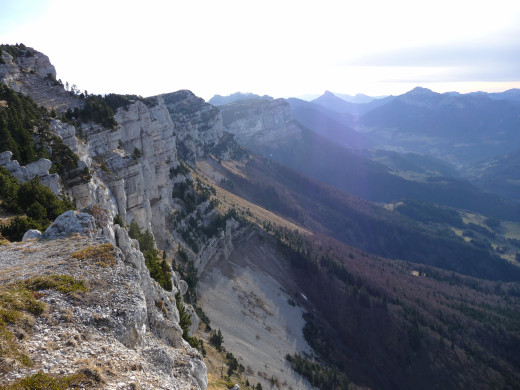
x=34 y=199
x=119 y=221
x=97 y=110
x=15 y=230
x=216 y=340
x=185 y=323
x=159 y=269
x=137 y=154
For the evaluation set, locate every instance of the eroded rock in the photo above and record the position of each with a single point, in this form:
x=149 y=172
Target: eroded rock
x=72 y=222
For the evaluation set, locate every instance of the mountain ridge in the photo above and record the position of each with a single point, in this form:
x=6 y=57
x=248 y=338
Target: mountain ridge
x=394 y=323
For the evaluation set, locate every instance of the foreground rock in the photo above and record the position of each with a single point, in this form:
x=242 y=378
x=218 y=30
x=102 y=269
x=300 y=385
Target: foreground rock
x=122 y=333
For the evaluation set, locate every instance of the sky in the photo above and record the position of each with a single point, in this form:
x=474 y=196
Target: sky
x=281 y=48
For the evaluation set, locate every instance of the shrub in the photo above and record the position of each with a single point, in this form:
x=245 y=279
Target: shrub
x=216 y=340
x=137 y=154
x=185 y=323
x=15 y=230
x=97 y=110
x=119 y=221
x=159 y=269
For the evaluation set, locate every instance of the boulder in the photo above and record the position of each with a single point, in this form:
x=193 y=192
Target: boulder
x=32 y=234
x=72 y=222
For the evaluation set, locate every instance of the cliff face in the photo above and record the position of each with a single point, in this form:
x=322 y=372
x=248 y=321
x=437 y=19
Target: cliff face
x=138 y=188
x=132 y=171
x=120 y=330
x=198 y=124
x=256 y=123
x=30 y=72
x=124 y=330
x=141 y=157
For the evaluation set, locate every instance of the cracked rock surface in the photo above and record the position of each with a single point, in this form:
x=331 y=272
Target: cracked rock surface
x=122 y=333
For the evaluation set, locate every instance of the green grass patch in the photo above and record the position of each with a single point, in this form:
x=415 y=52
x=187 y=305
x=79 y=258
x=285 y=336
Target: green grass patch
x=65 y=284
x=43 y=381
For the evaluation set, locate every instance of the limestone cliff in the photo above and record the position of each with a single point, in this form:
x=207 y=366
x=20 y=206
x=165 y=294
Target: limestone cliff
x=25 y=173
x=133 y=170
x=118 y=330
x=198 y=124
x=26 y=70
x=256 y=123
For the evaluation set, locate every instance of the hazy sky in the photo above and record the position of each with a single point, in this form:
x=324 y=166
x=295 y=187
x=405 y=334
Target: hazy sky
x=281 y=48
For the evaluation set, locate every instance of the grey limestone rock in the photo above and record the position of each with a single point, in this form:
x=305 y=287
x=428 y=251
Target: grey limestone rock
x=198 y=124
x=33 y=74
x=72 y=222
x=39 y=168
x=260 y=122
x=31 y=234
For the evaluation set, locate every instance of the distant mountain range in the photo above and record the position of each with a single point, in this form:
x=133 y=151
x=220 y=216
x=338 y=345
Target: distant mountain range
x=335 y=103
x=358 y=98
x=476 y=132
x=314 y=144
x=461 y=129
x=219 y=100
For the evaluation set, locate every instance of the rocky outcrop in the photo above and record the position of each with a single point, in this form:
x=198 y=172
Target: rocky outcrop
x=139 y=156
x=25 y=173
x=32 y=234
x=123 y=328
x=198 y=124
x=257 y=123
x=31 y=73
x=219 y=246
x=72 y=222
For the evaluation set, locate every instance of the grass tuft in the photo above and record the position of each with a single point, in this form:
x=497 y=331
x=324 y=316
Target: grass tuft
x=43 y=381
x=65 y=284
x=19 y=305
x=103 y=254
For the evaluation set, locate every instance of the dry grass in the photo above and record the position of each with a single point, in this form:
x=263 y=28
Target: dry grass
x=43 y=381
x=93 y=372
x=65 y=284
x=217 y=368
x=234 y=168
x=19 y=304
x=103 y=254
x=250 y=211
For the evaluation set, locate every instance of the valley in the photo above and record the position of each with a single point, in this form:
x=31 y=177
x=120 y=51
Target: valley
x=268 y=243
